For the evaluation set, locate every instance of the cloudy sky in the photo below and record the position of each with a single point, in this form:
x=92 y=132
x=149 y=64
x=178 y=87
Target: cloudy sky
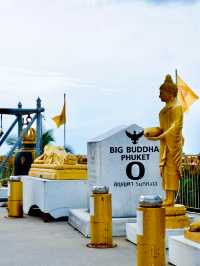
x=108 y=56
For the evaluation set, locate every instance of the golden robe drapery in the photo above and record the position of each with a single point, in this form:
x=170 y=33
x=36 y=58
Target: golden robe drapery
x=171 y=121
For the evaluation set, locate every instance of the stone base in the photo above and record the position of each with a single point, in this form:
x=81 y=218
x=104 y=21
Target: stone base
x=193 y=236
x=131 y=233
x=177 y=209
x=54 y=197
x=179 y=221
x=80 y=219
x=183 y=252
x=176 y=217
x=70 y=172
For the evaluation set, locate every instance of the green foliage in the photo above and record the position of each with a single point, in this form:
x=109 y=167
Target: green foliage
x=69 y=149
x=47 y=138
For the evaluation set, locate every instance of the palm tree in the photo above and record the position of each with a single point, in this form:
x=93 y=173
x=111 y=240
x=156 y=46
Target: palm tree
x=47 y=138
x=69 y=149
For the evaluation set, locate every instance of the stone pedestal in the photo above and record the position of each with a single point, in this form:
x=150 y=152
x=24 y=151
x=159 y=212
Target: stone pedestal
x=176 y=217
x=54 y=197
x=80 y=219
x=126 y=162
x=131 y=233
x=69 y=172
x=183 y=252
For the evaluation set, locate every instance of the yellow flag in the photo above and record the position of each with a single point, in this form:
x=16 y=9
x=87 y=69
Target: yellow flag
x=60 y=119
x=186 y=96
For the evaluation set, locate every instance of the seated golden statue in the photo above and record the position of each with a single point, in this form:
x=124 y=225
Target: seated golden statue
x=56 y=163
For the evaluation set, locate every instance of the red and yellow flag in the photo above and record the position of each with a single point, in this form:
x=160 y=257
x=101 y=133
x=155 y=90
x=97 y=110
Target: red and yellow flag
x=60 y=119
x=186 y=96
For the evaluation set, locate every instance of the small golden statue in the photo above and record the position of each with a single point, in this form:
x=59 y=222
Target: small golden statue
x=26 y=154
x=30 y=137
x=171 y=141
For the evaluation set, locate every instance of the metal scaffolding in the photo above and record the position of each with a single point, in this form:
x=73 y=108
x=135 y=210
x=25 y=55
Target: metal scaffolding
x=24 y=124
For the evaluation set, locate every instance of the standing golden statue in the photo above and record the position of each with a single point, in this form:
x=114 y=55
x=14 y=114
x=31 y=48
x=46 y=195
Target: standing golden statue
x=171 y=141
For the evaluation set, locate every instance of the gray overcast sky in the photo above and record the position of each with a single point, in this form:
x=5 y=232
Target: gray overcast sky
x=109 y=56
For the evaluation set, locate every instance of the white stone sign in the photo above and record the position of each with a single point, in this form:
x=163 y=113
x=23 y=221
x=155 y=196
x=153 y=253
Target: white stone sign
x=125 y=161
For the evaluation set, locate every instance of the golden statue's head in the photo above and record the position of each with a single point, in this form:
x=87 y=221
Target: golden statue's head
x=168 y=90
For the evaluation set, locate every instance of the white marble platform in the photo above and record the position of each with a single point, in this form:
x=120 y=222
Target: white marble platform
x=183 y=252
x=54 y=197
x=80 y=219
x=131 y=233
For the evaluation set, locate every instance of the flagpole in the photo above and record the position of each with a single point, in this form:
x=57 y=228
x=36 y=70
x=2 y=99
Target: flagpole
x=176 y=75
x=176 y=80
x=64 y=122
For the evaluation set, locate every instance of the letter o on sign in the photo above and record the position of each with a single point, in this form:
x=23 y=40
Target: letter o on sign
x=129 y=170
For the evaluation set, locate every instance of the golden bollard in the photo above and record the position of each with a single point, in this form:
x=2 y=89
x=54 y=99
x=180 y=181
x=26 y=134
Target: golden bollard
x=150 y=232
x=15 y=197
x=101 y=218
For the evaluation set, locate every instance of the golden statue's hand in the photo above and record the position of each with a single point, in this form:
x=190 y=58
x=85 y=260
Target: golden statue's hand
x=161 y=136
x=153 y=133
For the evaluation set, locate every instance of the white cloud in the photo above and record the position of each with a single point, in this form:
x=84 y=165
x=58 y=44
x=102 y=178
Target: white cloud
x=110 y=57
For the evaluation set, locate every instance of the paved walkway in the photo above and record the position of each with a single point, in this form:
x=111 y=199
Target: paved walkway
x=31 y=242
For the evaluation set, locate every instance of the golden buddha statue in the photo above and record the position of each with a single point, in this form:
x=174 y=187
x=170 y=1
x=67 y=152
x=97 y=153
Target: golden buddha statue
x=171 y=140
